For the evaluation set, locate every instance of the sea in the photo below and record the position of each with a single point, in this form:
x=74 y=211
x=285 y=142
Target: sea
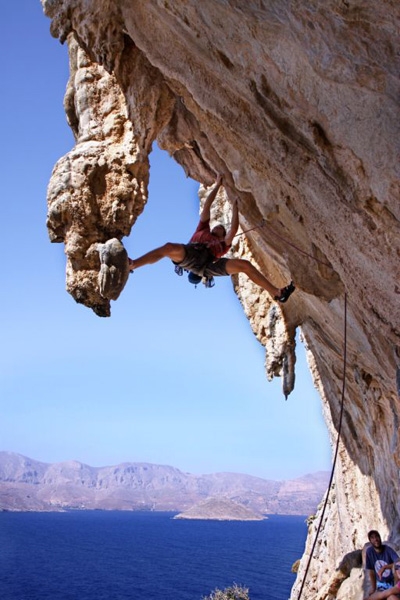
x=107 y=555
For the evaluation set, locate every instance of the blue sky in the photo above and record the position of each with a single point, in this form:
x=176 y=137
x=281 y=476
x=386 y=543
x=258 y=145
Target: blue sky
x=175 y=376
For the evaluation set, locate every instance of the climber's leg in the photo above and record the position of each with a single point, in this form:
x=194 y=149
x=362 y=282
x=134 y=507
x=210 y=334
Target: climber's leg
x=175 y=252
x=238 y=265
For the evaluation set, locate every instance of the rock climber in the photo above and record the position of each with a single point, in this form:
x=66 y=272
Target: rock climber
x=202 y=256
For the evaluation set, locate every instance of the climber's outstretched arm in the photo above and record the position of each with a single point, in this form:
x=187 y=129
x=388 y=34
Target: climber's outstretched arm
x=234 y=224
x=205 y=213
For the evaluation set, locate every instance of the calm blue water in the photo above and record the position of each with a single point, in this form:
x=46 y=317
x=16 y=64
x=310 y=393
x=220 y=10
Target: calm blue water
x=144 y=556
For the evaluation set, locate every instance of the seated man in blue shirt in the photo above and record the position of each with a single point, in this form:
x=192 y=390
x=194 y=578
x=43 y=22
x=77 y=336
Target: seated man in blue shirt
x=379 y=563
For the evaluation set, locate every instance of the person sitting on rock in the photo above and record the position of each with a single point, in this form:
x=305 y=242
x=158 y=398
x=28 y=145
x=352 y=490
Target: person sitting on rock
x=202 y=256
x=391 y=593
x=379 y=561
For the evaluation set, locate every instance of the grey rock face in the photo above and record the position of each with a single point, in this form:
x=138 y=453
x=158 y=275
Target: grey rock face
x=114 y=268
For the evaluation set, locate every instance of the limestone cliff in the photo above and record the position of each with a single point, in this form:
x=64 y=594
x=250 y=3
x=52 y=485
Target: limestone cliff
x=297 y=103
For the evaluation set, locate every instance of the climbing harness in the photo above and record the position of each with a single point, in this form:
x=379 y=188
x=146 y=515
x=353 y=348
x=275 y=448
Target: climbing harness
x=195 y=279
x=336 y=449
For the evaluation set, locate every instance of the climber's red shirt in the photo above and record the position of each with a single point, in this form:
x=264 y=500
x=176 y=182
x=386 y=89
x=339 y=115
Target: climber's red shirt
x=203 y=235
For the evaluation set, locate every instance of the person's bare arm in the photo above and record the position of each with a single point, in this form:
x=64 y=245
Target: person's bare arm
x=389 y=566
x=205 y=213
x=372 y=579
x=234 y=224
x=384 y=594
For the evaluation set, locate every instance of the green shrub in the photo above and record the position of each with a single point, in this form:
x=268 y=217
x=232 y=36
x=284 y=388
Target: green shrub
x=235 y=592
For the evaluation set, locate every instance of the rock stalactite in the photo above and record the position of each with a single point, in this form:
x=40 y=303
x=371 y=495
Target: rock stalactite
x=98 y=189
x=297 y=104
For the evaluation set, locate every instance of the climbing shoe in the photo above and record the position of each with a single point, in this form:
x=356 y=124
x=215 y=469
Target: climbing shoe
x=285 y=293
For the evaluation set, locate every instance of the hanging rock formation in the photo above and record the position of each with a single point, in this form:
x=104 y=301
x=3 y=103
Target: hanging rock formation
x=297 y=104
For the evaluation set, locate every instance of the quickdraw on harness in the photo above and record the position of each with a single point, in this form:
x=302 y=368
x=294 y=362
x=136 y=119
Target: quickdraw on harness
x=195 y=279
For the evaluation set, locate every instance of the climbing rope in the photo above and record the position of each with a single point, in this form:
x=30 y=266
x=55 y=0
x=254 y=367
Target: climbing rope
x=285 y=240
x=264 y=224
x=336 y=450
x=251 y=229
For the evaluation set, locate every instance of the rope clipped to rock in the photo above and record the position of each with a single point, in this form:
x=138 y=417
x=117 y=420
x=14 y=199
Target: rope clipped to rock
x=264 y=224
x=336 y=450
x=285 y=240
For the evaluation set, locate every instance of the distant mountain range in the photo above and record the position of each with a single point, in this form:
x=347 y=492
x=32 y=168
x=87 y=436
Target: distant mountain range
x=30 y=485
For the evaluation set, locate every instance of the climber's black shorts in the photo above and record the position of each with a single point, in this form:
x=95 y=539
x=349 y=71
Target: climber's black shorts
x=198 y=259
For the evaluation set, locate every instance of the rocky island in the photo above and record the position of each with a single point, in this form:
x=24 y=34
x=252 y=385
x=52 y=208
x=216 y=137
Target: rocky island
x=219 y=509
